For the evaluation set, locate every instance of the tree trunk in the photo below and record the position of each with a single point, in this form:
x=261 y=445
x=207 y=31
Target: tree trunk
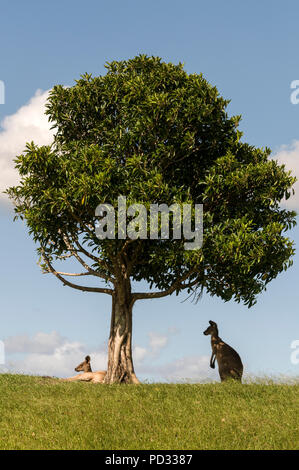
x=120 y=361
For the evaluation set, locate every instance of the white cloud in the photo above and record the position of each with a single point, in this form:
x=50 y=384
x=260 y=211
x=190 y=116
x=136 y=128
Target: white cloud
x=173 y=330
x=188 y=368
x=194 y=368
x=185 y=369
x=139 y=354
x=27 y=124
x=49 y=354
x=289 y=155
x=157 y=342
x=40 y=343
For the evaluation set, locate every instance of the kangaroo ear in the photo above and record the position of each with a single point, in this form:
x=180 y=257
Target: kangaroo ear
x=211 y=322
x=87 y=359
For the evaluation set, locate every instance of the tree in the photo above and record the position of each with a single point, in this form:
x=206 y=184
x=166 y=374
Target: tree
x=149 y=131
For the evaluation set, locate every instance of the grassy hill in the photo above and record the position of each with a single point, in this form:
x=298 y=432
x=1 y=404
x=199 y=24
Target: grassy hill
x=37 y=413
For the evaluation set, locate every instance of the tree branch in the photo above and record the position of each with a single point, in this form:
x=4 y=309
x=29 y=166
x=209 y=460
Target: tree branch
x=169 y=291
x=69 y=255
x=70 y=284
x=190 y=284
x=89 y=255
x=71 y=274
x=72 y=249
x=86 y=253
x=85 y=227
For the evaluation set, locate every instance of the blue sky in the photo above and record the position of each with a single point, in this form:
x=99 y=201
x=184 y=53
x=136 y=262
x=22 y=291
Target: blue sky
x=250 y=52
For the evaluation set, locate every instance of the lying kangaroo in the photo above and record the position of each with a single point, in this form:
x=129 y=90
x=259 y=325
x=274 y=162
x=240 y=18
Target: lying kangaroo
x=88 y=375
x=229 y=362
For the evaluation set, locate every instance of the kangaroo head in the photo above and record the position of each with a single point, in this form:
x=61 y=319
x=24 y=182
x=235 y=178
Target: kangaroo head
x=212 y=329
x=84 y=366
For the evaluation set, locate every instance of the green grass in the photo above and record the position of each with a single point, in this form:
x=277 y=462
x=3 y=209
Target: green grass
x=38 y=413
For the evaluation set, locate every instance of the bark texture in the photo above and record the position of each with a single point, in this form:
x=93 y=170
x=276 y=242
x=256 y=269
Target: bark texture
x=120 y=361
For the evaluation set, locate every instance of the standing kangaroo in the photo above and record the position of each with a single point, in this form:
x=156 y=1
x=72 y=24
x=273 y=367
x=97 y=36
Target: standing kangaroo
x=88 y=375
x=229 y=362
